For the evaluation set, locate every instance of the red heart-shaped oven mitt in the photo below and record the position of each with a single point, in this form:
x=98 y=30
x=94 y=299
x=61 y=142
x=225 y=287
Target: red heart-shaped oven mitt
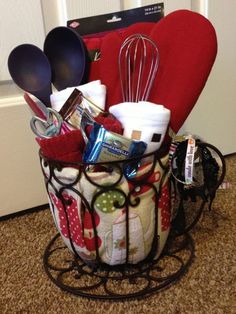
x=187 y=46
x=143 y=28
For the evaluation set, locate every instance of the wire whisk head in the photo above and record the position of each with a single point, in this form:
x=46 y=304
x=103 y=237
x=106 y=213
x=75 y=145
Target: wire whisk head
x=138 y=64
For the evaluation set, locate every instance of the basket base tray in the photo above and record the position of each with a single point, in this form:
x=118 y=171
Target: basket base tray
x=118 y=282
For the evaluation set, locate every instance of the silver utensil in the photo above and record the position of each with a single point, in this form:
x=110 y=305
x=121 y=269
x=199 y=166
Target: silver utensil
x=48 y=127
x=138 y=64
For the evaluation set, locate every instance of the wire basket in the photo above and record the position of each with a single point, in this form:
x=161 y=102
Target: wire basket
x=106 y=216
x=122 y=231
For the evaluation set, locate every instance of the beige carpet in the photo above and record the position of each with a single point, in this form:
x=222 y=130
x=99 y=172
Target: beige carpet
x=208 y=287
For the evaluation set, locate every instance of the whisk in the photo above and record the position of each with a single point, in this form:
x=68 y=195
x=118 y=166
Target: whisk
x=138 y=63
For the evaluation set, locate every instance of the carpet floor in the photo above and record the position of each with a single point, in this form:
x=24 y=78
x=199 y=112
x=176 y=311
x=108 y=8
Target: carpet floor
x=208 y=287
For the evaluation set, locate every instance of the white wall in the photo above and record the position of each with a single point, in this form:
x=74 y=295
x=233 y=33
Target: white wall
x=214 y=116
x=169 y=5
x=21 y=21
x=21 y=180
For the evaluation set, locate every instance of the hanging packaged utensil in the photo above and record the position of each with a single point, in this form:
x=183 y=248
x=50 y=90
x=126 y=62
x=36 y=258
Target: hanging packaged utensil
x=207 y=167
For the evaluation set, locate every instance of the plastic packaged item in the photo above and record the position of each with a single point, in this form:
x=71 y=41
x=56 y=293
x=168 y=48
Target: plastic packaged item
x=108 y=146
x=105 y=146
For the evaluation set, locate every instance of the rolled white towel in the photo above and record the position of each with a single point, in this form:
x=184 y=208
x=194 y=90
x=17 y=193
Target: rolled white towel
x=94 y=90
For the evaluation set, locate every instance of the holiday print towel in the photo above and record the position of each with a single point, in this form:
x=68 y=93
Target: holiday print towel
x=91 y=209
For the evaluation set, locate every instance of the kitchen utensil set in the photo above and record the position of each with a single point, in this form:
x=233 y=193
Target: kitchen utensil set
x=63 y=64
x=184 y=40
x=187 y=47
x=96 y=156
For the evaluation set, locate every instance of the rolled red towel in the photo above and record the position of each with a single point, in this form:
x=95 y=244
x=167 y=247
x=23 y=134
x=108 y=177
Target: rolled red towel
x=66 y=147
x=109 y=122
x=69 y=147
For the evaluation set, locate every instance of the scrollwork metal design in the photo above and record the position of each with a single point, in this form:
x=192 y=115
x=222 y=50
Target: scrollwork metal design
x=92 y=277
x=122 y=281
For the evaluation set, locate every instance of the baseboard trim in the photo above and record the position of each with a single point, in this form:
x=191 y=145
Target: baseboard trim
x=24 y=212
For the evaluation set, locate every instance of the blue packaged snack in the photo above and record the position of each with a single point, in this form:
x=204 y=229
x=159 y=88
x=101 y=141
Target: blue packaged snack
x=106 y=146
